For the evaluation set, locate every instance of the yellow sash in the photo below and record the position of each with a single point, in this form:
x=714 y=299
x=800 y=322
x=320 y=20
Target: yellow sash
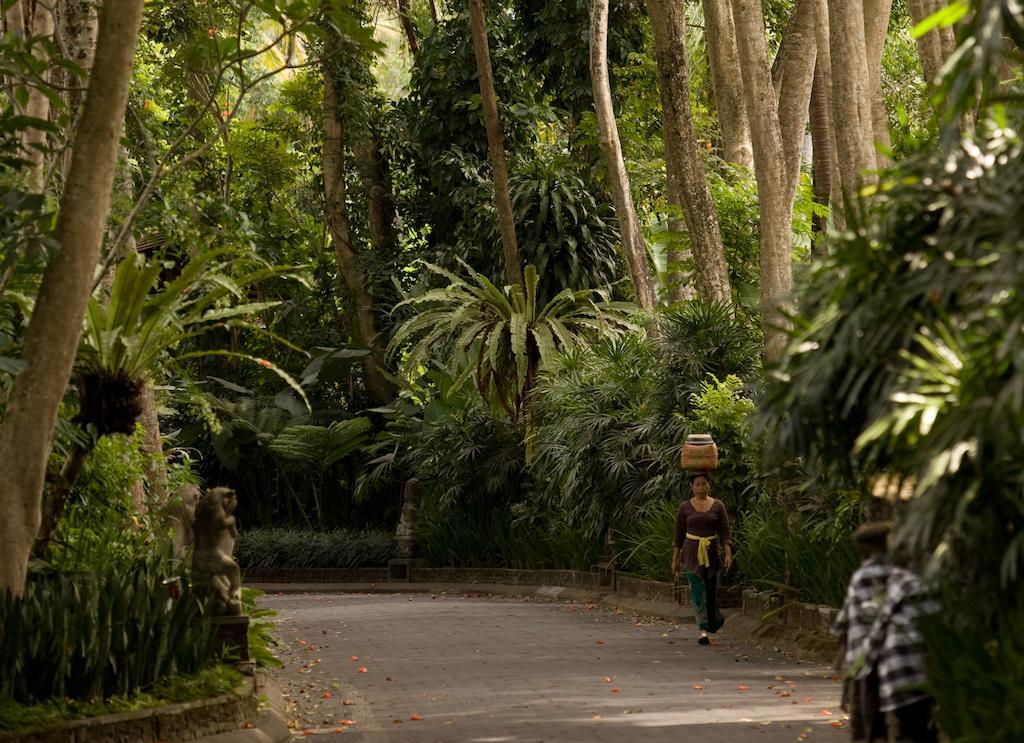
x=703 y=558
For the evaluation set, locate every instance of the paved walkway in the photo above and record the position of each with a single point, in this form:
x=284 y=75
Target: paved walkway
x=471 y=668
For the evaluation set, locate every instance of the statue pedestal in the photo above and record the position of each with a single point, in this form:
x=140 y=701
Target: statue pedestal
x=400 y=569
x=231 y=633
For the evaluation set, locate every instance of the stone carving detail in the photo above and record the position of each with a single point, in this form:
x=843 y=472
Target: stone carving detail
x=215 y=574
x=405 y=534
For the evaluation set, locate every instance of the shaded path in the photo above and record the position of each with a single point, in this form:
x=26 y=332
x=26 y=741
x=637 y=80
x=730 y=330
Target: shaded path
x=496 y=669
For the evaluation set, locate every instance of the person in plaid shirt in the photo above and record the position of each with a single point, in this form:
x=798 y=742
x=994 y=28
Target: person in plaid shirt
x=894 y=648
x=865 y=596
x=881 y=647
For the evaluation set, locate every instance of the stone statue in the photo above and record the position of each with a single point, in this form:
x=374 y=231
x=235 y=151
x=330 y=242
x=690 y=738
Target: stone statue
x=215 y=574
x=405 y=534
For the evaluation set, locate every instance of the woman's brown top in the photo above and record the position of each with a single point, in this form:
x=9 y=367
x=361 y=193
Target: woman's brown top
x=713 y=522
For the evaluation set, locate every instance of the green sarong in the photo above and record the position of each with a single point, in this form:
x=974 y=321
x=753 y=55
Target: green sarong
x=703 y=596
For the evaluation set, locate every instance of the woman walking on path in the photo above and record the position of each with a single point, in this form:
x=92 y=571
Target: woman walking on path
x=703 y=547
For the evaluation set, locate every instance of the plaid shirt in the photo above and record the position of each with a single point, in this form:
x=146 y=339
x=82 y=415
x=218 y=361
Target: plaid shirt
x=865 y=596
x=894 y=644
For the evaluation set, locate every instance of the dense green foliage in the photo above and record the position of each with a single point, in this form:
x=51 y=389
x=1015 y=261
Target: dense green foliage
x=96 y=635
x=545 y=420
x=292 y=548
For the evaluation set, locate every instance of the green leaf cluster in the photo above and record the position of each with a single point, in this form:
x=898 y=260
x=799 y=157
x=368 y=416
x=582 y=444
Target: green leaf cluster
x=503 y=337
x=99 y=634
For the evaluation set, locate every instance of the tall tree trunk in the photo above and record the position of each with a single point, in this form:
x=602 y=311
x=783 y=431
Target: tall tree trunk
x=77 y=26
x=851 y=94
x=408 y=27
x=495 y=144
x=824 y=67
x=821 y=141
x=375 y=173
x=668 y=20
x=56 y=325
x=727 y=83
x=936 y=46
x=793 y=78
x=775 y=182
x=38 y=107
x=32 y=20
x=633 y=247
x=680 y=286
x=366 y=331
x=876 y=29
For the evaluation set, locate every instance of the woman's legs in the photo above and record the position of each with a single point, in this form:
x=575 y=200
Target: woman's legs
x=698 y=598
x=715 y=618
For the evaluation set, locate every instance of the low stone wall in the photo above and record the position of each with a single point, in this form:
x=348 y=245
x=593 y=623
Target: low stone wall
x=314 y=575
x=173 y=722
x=650 y=590
x=507 y=577
x=626 y=586
x=769 y=606
x=792 y=626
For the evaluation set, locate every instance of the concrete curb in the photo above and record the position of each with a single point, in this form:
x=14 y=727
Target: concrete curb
x=270 y=725
x=185 y=721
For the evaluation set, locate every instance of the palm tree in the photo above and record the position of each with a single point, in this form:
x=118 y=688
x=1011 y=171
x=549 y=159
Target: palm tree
x=500 y=336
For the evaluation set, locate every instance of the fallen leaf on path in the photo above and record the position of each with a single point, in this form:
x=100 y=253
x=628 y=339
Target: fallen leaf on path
x=346 y=722
x=348 y=702
x=363 y=669
x=607 y=679
x=698 y=687
x=784 y=694
x=326 y=695
x=838 y=723
x=354 y=658
x=600 y=642
x=742 y=687
x=596 y=717
x=807 y=700
x=415 y=716
x=826 y=713
x=615 y=690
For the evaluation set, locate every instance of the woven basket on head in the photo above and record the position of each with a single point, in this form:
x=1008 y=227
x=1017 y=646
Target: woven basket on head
x=699 y=453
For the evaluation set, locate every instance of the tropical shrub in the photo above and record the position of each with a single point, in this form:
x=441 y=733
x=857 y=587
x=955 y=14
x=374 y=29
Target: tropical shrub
x=131 y=331
x=507 y=537
x=93 y=635
x=301 y=548
x=289 y=467
x=503 y=337
x=800 y=546
x=600 y=451
x=907 y=362
x=563 y=229
x=470 y=457
x=645 y=544
x=702 y=339
x=261 y=630
x=978 y=688
x=103 y=525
